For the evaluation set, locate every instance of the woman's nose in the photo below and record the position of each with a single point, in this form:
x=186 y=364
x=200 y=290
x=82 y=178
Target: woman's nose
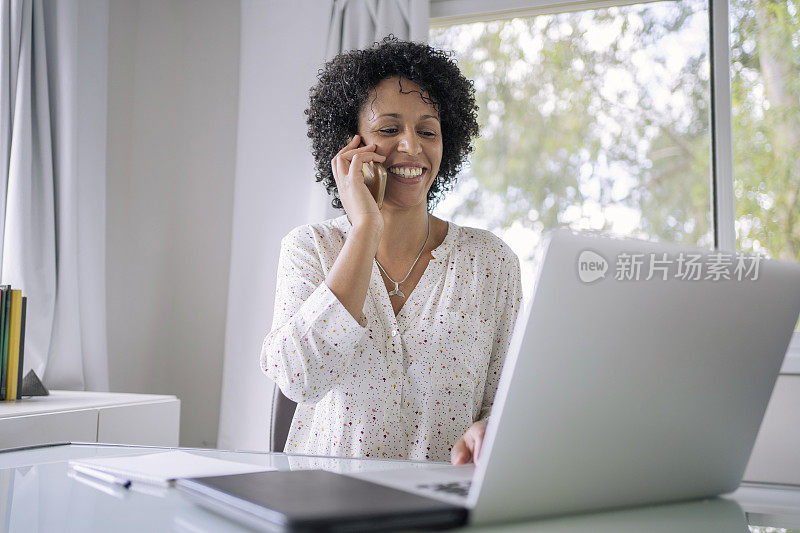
x=409 y=143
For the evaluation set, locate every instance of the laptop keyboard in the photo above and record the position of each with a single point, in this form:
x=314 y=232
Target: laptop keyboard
x=459 y=488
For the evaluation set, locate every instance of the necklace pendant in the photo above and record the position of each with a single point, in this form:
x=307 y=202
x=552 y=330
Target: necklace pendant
x=396 y=291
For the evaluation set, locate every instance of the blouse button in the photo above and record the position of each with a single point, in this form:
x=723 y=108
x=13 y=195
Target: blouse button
x=394 y=373
x=394 y=333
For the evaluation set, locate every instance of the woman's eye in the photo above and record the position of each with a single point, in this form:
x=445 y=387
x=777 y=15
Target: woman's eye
x=392 y=131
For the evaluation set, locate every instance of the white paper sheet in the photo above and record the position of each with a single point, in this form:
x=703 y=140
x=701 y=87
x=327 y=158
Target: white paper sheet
x=164 y=467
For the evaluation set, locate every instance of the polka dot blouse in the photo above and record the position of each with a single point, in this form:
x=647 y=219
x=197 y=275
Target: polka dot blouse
x=396 y=387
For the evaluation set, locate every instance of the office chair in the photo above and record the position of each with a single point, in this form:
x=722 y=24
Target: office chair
x=280 y=419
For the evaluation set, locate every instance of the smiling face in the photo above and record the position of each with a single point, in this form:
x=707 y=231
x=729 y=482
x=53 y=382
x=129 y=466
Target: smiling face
x=398 y=118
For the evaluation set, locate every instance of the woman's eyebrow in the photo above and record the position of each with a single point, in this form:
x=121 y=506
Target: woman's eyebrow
x=398 y=115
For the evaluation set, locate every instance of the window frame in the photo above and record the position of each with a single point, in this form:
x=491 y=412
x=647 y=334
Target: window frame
x=450 y=12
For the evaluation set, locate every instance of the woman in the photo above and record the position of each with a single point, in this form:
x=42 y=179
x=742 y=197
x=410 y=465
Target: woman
x=391 y=325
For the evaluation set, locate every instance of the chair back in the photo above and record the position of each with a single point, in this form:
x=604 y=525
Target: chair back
x=280 y=420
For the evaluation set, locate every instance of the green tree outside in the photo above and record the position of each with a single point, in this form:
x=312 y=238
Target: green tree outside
x=599 y=120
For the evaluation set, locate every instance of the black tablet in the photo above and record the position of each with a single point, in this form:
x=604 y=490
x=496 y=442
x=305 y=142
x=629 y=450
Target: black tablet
x=317 y=500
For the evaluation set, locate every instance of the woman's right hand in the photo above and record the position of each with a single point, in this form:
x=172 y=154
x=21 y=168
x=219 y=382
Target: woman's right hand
x=356 y=199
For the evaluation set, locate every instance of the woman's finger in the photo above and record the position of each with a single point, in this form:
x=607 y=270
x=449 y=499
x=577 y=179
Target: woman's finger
x=360 y=150
x=341 y=167
x=341 y=164
x=476 y=448
x=362 y=157
x=355 y=172
x=347 y=157
x=350 y=146
x=460 y=452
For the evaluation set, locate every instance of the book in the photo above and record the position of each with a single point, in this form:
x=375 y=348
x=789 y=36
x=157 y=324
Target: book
x=3 y=355
x=4 y=347
x=13 y=345
x=161 y=468
x=21 y=347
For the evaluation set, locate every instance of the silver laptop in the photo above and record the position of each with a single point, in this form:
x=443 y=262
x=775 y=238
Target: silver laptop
x=639 y=373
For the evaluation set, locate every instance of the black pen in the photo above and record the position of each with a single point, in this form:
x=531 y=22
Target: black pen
x=103 y=476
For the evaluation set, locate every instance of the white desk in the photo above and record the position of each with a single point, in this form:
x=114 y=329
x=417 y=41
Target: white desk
x=79 y=416
x=38 y=495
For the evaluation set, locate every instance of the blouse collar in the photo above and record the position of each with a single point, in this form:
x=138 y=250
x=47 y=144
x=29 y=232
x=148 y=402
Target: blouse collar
x=439 y=253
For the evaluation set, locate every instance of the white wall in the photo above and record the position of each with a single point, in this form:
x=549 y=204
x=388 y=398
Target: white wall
x=283 y=45
x=172 y=113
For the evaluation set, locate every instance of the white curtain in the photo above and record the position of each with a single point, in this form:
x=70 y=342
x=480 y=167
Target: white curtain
x=52 y=220
x=358 y=23
x=275 y=188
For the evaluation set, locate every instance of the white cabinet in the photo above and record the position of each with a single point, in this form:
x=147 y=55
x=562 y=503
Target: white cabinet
x=80 y=416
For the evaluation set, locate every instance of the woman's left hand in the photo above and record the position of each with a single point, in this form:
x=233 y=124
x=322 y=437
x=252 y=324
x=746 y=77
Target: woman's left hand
x=468 y=447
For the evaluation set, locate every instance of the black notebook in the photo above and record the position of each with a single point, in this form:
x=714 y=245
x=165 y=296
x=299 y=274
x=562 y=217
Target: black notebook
x=317 y=500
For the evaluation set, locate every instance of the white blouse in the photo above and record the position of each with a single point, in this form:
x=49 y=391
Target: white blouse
x=396 y=387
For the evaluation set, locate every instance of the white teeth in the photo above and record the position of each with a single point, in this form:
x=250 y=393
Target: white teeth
x=406 y=172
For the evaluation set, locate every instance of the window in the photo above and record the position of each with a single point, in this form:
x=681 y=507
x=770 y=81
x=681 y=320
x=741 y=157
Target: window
x=765 y=114
x=594 y=120
x=587 y=123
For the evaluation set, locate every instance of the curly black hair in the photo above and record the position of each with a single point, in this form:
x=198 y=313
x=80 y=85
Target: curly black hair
x=345 y=82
